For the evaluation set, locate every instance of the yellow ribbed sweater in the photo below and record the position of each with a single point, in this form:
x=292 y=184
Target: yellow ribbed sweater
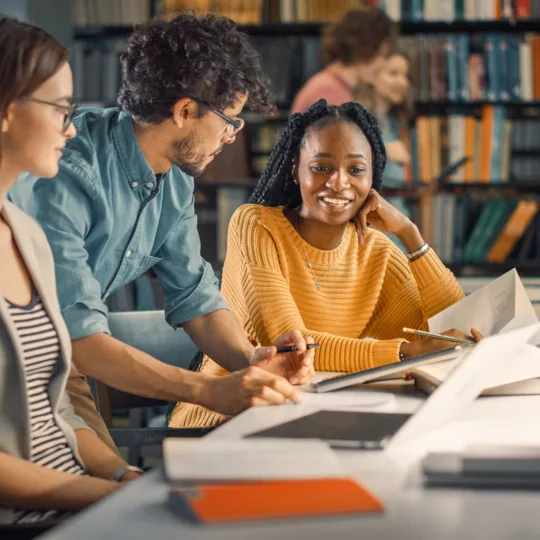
x=368 y=291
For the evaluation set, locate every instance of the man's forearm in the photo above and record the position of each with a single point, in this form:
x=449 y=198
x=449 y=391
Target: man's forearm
x=128 y=369
x=221 y=338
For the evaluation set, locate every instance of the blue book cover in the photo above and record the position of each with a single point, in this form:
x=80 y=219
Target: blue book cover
x=490 y=51
x=503 y=67
x=452 y=84
x=513 y=68
x=462 y=46
x=417 y=10
x=499 y=117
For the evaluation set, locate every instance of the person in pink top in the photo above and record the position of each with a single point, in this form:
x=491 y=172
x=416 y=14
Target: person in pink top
x=354 y=50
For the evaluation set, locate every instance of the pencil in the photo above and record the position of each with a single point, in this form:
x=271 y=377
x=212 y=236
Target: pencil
x=437 y=336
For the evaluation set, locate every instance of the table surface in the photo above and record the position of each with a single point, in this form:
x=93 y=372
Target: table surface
x=411 y=511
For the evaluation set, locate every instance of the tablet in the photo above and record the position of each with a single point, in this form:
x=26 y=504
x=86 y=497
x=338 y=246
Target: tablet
x=385 y=372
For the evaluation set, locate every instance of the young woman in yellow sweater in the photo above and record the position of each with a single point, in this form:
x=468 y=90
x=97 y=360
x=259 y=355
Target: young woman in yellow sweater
x=302 y=255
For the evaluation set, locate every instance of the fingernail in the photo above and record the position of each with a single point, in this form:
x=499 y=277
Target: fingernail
x=294 y=380
x=268 y=351
x=308 y=361
x=298 y=398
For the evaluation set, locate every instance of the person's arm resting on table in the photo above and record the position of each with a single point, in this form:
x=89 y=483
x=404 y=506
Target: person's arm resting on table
x=97 y=354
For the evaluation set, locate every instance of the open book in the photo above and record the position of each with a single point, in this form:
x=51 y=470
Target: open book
x=518 y=377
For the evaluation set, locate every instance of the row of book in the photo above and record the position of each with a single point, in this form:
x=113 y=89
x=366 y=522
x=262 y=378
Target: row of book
x=482 y=229
x=110 y=12
x=289 y=11
x=240 y=11
x=494 y=67
x=499 y=148
x=459 y=10
x=96 y=70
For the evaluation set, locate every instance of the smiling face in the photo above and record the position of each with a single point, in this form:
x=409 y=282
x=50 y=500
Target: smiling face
x=334 y=171
x=392 y=81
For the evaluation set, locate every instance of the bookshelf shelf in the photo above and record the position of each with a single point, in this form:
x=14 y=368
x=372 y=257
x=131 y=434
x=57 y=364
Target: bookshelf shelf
x=100 y=32
x=472 y=104
x=314 y=28
x=426 y=27
x=492 y=185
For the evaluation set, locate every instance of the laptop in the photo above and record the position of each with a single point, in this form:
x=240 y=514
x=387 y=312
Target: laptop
x=377 y=430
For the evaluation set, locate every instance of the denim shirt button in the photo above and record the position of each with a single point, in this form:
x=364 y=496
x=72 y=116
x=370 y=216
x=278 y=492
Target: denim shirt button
x=134 y=184
x=150 y=185
x=128 y=253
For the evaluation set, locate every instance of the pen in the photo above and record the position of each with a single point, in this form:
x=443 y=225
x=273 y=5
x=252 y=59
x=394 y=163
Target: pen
x=292 y=348
x=437 y=336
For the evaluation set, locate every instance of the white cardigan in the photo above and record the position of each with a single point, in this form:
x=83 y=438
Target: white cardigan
x=14 y=413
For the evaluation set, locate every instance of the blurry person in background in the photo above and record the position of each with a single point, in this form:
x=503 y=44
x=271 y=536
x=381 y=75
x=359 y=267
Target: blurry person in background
x=354 y=50
x=388 y=98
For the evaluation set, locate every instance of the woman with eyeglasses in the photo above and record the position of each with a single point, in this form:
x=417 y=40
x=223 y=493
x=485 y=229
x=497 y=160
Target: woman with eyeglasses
x=51 y=463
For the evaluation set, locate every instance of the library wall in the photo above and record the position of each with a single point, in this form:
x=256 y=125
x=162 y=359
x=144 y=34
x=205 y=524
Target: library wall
x=475 y=71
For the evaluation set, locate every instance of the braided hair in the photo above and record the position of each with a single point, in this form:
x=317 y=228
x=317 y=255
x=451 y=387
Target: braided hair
x=276 y=185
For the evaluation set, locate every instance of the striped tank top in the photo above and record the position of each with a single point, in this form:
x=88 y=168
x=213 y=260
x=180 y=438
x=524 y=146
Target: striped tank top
x=41 y=350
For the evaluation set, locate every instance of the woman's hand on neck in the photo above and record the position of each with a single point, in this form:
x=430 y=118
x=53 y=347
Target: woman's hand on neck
x=316 y=233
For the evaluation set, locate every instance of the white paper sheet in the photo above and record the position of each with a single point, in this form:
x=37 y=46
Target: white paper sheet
x=354 y=399
x=499 y=306
x=248 y=459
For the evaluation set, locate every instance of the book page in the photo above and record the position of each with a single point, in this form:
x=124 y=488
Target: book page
x=499 y=306
x=522 y=366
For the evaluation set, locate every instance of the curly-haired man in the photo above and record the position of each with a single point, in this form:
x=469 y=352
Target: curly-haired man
x=354 y=50
x=123 y=203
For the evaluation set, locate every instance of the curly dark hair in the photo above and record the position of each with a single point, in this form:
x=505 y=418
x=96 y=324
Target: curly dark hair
x=203 y=57
x=276 y=185
x=357 y=36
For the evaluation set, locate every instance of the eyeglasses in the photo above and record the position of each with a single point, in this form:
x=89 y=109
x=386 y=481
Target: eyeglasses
x=69 y=110
x=233 y=125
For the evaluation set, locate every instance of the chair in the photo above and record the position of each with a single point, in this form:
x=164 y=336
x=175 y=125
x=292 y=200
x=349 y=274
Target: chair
x=136 y=436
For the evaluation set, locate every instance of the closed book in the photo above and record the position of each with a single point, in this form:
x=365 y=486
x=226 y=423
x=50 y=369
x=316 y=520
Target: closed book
x=488 y=116
x=270 y=500
x=451 y=68
x=514 y=229
x=522 y=9
x=490 y=51
x=478 y=230
x=526 y=78
x=494 y=228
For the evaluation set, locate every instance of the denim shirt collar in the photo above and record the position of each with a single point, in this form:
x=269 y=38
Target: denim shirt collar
x=134 y=163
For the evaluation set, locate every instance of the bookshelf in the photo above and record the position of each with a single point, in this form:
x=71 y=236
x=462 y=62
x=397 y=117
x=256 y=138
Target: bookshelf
x=299 y=40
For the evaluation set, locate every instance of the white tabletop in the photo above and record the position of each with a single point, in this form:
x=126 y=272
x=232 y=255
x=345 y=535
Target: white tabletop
x=411 y=512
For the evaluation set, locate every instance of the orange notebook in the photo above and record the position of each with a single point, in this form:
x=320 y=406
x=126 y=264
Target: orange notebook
x=283 y=499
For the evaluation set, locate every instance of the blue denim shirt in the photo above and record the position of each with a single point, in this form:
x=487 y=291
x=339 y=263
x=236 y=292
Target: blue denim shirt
x=109 y=218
